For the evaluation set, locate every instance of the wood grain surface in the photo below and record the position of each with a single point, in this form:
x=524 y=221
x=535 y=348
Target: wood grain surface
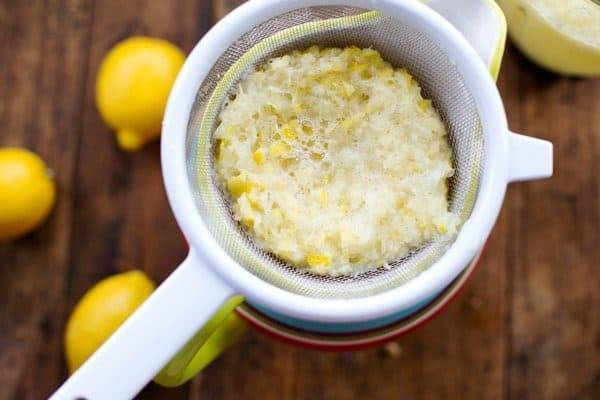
x=527 y=327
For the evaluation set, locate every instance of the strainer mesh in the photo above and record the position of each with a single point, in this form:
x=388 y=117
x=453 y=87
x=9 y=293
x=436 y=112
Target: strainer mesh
x=400 y=44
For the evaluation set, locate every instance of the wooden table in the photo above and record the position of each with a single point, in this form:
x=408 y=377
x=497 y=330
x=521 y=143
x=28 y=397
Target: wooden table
x=527 y=327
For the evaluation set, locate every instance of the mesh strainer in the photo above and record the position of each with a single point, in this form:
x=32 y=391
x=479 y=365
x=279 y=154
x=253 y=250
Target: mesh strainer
x=223 y=261
x=340 y=26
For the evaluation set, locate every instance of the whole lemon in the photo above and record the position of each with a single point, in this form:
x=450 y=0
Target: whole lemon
x=27 y=192
x=101 y=311
x=133 y=85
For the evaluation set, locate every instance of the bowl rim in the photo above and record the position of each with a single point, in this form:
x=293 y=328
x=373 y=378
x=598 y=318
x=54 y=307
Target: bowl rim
x=364 y=339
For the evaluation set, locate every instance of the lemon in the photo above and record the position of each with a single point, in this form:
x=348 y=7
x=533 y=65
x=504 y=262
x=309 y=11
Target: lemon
x=132 y=87
x=27 y=192
x=101 y=311
x=560 y=35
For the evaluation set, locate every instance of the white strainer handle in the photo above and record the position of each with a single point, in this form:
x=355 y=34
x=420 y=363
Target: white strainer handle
x=135 y=353
x=481 y=22
x=528 y=158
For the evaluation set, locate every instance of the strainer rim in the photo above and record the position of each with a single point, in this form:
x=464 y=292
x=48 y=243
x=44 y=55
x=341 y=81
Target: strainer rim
x=437 y=276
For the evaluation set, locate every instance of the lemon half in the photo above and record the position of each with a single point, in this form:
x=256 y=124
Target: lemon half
x=560 y=35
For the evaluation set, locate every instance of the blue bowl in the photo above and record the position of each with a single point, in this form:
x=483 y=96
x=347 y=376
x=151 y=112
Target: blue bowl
x=339 y=328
